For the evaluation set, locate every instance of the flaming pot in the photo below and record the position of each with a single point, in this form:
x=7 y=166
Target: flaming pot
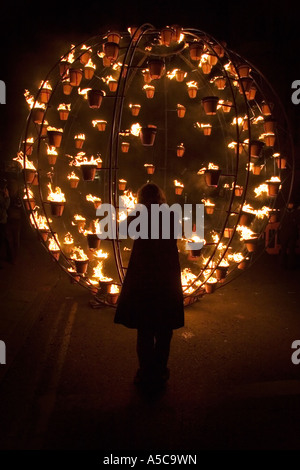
x=81 y=265
x=37 y=115
x=104 y=287
x=89 y=72
x=54 y=138
x=75 y=76
x=57 y=208
x=93 y=241
x=64 y=114
x=44 y=96
x=179 y=75
x=246 y=218
x=244 y=70
x=94 y=98
x=29 y=175
x=52 y=159
x=112 y=298
x=212 y=177
x=210 y=104
x=273 y=187
x=178 y=190
x=181 y=111
x=147 y=135
x=125 y=147
x=89 y=171
x=221 y=272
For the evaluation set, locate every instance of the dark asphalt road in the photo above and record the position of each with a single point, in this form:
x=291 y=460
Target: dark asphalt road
x=68 y=381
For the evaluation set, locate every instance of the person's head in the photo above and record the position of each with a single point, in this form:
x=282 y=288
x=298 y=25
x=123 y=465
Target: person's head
x=150 y=193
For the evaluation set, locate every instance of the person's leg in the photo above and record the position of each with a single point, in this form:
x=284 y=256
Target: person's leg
x=162 y=349
x=145 y=350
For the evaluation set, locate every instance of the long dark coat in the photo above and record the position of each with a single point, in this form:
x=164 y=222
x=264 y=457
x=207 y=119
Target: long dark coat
x=151 y=296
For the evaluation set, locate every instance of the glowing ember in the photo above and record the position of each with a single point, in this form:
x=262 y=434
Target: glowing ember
x=56 y=196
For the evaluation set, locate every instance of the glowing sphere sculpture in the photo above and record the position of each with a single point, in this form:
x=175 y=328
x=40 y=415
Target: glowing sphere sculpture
x=173 y=106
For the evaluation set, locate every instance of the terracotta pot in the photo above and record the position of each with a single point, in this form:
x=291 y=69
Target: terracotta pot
x=273 y=188
x=147 y=135
x=43 y=129
x=29 y=204
x=220 y=83
x=93 y=241
x=156 y=67
x=55 y=254
x=101 y=126
x=206 y=68
x=67 y=87
x=150 y=92
x=209 y=209
x=270 y=140
x=228 y=232
x=79 y=143
x=178 y=190
x=81 y=266
x=54 y=138
x=147 y=76
x=219 y=50
x=44 y=95
x=29 y=175
x=196 y=49
x=177 y=30
x=166 y=36
x=251 y=93
x=179 y=75
x=88 y=171
x=266 y=108
x=114 y=37
x=281 y=163
x=180 y=150
x=94 y=98
x=221 y=272
x=64 y=67
x=85 y=56
x=89 y=72
x=238 y=191
x=52 y=159
x=75 y=76
x=112 y=85
x=111 y=50
x=206 y=130
x=73 y=182
x=269 y=125
x=245 y=125
x=181 y=111
x=245 y=84
x=122 y=186
x=104 y=287
x=192 y=91
x=212 y=177
x=256 y=169
x=246 y=218
x=63 y=114
x=251 y=244
x=37 y=115
x=212 y=59
x=227 y=106
x=210 y=104
x=112 y=298
x=242 y=264
x=57 y=208
x=210 y=287
x=44 y=233
x=256 y=148
x=135 y=109
x=244 y=70
x=150 y=169
x=125 y=147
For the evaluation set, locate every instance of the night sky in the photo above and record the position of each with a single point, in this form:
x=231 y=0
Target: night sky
x=35 y=34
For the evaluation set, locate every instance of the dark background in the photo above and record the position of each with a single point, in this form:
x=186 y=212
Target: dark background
x=35 y=34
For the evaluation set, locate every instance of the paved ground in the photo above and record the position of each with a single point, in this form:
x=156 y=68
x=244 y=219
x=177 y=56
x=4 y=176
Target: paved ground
x=68 y=379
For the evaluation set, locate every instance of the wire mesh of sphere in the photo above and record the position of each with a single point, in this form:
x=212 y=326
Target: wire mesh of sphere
x=175 y=107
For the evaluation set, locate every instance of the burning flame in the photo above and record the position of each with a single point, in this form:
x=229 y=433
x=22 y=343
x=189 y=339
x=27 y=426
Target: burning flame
x=68 y=240
x=262 y=188
x=192 y=84
x=135 y=129
x=72 y=176
x=236 y=257
x=91 y=198
x=178 y=184
x=207 y=202
x=100 y=254
x=98 y=274
x=64 y=107
x=246 y=233
x=30 y=194
x=53 y=245
x=45 y=85
x=31 y=101
x=90 y=64
x=70 y=57
x=98 y=121
x=78 y=254
x=79 y=137
x=51 y=150
x=40 y=221
x=114 y=289
x=56 y=196
x=20 y=159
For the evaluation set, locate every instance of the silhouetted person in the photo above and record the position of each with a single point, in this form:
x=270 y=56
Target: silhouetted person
x=151 y=299
x=288 y=236
x=4 y=204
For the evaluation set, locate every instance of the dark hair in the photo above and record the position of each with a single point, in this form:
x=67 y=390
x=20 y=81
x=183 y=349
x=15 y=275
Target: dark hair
x=150 y=193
